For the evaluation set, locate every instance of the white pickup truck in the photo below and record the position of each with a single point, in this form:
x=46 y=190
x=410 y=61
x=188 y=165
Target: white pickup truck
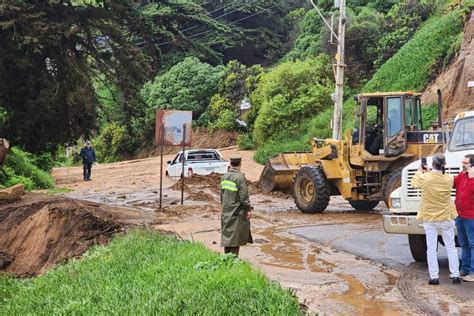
x=197 y=161
x=405 y=200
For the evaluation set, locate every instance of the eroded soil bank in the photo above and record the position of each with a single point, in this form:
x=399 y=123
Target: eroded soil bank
x=39 y=231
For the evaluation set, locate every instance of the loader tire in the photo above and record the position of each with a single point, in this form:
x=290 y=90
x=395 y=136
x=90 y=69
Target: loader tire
x=418 y=247
x=364 y=205
x=393 y=182
x=311 y=190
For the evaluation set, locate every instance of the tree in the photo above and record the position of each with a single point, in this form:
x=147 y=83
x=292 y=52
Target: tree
x=189 y=85
x=53 y=52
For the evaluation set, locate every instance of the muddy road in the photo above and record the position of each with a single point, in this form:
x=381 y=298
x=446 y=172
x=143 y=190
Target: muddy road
x=338 y=262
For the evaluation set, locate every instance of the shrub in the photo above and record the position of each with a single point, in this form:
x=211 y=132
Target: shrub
x=14 y=179
x=291 y=94
x=245 y=142
x=20 y=168
x=44 y=161
x=285 y=143
x=225 y=121
x=110 y=143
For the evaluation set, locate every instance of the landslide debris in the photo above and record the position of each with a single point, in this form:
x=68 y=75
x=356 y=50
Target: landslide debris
x=39 y=231
x=212 y=182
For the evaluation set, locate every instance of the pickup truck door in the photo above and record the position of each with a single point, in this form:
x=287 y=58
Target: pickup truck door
x=175 y=167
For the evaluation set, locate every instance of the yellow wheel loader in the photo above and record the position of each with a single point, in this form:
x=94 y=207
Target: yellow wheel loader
x=365 y=167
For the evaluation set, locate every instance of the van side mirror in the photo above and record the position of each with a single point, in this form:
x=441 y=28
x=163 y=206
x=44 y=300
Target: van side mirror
x=169 y=162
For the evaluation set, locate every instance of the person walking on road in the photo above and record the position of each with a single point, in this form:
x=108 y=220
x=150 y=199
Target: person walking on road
x=88 y=158
x=437 y=213
x=464 y=185
x=236 y=209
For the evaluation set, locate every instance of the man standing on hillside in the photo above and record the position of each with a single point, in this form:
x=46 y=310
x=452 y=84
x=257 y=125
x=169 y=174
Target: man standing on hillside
x=88 y=158
x=236 y=209
x=464 y=184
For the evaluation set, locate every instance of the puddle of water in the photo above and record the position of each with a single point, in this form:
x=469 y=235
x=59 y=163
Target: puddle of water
x=289 y=253
x=356 y=298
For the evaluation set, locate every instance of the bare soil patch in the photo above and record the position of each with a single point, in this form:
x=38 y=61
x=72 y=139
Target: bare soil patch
x=39 y=231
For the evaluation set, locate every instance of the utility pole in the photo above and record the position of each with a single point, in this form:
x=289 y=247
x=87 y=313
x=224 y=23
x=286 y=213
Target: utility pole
x=340 y=65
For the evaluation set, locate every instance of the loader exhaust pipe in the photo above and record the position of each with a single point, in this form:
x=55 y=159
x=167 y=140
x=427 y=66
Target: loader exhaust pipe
x=440 y=109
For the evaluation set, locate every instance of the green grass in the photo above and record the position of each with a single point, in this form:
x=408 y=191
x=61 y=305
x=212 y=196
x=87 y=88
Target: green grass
x=413 y=65
x=148 y=273
x=58 y=190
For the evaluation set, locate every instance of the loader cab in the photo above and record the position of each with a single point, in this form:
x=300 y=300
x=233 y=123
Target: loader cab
x=383 y=120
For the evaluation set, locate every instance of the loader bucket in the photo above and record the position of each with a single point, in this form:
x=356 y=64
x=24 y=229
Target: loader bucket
x=279 y=171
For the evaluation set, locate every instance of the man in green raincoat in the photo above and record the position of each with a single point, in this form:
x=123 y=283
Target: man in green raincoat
x=236 y=209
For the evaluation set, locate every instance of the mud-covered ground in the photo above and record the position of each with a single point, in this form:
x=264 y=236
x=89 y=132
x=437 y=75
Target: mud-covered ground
x=337 y=262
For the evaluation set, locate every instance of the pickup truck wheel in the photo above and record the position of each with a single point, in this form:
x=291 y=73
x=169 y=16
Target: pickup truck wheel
x=418 y=247
x=311 y=190
x=392 y=182
x=190 y=172
x=364 y=205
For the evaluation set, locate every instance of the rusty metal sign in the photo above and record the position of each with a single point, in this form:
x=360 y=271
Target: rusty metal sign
x=173 y=122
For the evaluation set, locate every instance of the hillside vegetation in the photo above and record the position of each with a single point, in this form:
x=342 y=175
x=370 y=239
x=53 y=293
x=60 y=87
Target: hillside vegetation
x=410 y=69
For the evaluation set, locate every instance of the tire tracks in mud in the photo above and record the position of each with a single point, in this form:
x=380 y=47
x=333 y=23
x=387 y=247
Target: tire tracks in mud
x=407 y=288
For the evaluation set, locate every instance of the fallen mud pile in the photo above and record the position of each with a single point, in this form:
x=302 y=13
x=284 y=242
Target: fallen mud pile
x=40 y=231
x=212 y=182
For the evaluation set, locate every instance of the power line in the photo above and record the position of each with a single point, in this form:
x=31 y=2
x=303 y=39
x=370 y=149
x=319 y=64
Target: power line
x=197 y=25
x=233 y=22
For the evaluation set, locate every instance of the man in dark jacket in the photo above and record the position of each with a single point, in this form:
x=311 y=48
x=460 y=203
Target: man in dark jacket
x=236 y=209
x=88 y=158
x=464 y=184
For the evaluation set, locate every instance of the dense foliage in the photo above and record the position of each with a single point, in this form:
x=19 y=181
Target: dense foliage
x=21 y=167
x=189 y=85
x=235 y=85
x=111 y=143
x=52 y=53
x=146 y=273
x=289 y=95
x=375 y=31
x=417 y=61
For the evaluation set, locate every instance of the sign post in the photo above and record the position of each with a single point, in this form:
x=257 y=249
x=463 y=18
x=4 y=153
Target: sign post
x=182 y=170
x=162 y=141
x=173 y=128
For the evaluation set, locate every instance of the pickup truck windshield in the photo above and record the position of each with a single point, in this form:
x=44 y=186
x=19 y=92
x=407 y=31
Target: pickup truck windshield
x=463 y=135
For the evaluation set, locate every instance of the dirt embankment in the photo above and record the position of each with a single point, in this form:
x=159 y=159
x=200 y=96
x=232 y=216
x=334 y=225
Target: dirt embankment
x=39 y=231
x=453 y=82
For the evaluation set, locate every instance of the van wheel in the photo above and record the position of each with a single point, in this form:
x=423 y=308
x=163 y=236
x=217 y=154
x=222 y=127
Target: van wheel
x=418 y=247
x=364 y=205
x=311 y=190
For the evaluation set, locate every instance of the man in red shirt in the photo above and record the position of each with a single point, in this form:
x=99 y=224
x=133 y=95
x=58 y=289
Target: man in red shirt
x=464 y=184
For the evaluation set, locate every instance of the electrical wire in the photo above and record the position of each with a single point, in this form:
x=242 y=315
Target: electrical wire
x=233 y=22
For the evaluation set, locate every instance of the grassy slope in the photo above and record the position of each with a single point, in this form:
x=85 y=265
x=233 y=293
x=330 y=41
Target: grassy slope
x=409 y=69
x=147 y=273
